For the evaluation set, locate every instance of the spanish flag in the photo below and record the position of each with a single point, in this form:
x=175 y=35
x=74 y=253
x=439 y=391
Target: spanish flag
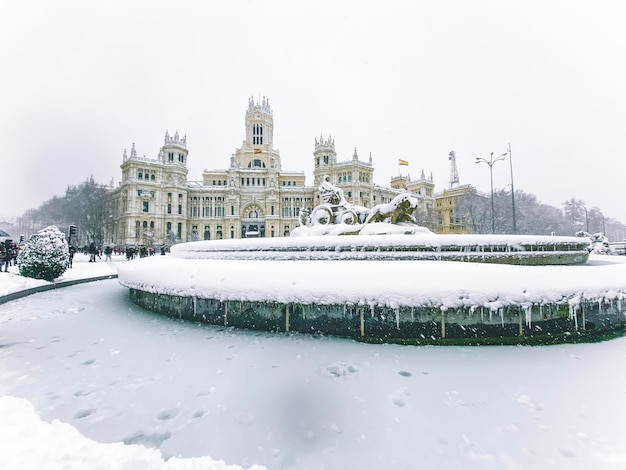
x=257 y=150
x=403 y=162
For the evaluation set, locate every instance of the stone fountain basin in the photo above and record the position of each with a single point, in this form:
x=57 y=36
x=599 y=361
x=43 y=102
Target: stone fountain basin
x=504 y=249
x=389 y=288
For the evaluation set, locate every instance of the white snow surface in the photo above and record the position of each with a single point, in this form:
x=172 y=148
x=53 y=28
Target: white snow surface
x=89 y=380
x=378 y=234
x=397 y=283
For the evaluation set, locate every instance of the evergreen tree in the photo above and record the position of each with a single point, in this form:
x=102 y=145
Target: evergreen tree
x=45 y=255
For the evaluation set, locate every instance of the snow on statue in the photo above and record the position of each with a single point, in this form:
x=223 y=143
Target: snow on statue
x=336 y=216
x=45 y=255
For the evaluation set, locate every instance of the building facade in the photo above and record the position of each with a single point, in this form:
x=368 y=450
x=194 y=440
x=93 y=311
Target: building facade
x=155 y=202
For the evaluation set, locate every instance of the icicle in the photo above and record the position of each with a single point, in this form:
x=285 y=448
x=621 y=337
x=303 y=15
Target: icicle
x=412 y=314
x=573 y=316
x=397 y=312
x=372 y=310
x=501 y=309
x=195 y=305
x=528 y=313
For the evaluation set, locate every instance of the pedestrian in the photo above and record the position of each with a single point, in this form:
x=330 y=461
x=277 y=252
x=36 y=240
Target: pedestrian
x=72 y=250
x=14 y=252
x=93 y=251
x=3 y=255
x=107 y=253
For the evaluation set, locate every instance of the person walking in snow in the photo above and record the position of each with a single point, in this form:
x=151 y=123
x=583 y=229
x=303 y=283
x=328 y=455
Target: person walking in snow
x=72 y=251
x=93 y=251
x=3 y=257
x=107 y=252
x=9 y=254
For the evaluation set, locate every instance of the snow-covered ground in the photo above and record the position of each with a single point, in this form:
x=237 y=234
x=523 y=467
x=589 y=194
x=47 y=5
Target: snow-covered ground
x=11 y=281
x=85 y=361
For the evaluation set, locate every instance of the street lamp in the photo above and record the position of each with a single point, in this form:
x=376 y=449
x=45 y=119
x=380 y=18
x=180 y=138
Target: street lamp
x=512 y=189
x=490 y=162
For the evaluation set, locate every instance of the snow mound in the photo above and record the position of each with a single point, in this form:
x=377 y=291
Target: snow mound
x=30 y=442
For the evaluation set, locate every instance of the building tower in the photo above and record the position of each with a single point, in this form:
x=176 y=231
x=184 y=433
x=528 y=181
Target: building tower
x=325 y=158
x=257 y=149
x=454 y=174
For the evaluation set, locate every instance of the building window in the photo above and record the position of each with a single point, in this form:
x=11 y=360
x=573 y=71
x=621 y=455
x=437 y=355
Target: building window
x=257 y=134
x=145 y=224
x=180 y=230
x=152 y=225
x=169 y=208
x=145 y=206
x=272 y=209
x=180 y=208
x=169 y=227
x=152 y=177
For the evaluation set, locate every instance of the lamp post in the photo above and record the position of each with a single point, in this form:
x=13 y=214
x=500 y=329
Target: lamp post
x=512 y=189
x=490 y=162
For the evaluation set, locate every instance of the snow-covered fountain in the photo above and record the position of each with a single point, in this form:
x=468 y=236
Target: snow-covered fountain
x=374 y=274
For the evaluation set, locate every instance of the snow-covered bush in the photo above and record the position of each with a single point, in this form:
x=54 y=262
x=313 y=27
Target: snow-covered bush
x=598 y=243
x=45 y=255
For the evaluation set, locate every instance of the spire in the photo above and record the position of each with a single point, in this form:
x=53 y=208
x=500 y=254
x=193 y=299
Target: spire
x=124 y=156
x=370 y=158
x=133 y=151
x=355 y=156
x=454 y=174
x=423 y=177
x=321 y=143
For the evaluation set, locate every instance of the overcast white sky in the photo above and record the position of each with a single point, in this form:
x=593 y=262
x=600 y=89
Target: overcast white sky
x=81 y=81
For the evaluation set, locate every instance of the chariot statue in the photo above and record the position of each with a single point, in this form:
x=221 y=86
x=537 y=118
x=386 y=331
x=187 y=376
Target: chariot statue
x=343 y=217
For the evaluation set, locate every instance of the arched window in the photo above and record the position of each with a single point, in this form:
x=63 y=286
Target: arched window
x=152 y=177
x=140 y=175
x=145 y=224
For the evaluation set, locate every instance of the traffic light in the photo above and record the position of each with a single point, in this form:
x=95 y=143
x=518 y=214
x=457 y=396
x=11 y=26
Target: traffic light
x=72 y=230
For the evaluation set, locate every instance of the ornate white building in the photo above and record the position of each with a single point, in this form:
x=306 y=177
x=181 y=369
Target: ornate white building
x=156 y=204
